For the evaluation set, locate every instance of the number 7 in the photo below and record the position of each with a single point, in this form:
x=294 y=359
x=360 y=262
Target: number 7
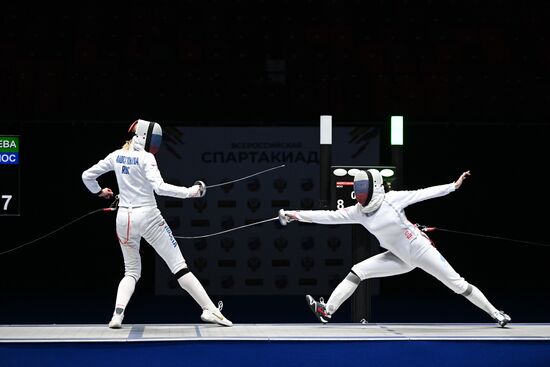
x=8 y=198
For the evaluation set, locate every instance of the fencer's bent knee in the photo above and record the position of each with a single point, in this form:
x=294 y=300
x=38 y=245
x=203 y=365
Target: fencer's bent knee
x=357 y=272
x=468 y=291
x=132 y=269
x=460 y=287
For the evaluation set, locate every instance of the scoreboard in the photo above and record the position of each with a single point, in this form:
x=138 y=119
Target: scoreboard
x=9 y=175
x=341 y=183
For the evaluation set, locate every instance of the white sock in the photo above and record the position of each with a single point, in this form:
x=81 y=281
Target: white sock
x=126 y=288
x=342 y=292
x=475 y=296
x=191 y=284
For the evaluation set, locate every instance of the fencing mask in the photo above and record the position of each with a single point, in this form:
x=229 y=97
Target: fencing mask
x=148 y=135
x=369 y=189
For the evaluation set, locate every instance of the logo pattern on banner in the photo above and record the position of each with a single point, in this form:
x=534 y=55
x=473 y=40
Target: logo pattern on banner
x=266 y=259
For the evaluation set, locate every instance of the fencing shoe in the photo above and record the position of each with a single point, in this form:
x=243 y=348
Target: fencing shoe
x=216 y=316
x=318 y=308
x=116 y=321
x=501 y=318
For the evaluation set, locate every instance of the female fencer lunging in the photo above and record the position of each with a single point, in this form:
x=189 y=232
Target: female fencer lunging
x=383 y=215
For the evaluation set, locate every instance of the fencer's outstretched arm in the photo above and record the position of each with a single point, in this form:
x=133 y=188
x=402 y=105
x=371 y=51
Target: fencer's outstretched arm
x=407 y=198
x=162 y=188
x=351 y=214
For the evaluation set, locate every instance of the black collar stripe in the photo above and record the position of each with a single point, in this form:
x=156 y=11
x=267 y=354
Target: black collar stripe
x=371 y=184
x=148 y=136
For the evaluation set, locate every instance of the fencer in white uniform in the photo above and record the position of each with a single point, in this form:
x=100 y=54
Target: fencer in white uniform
x=138 y=179
x=383 y=215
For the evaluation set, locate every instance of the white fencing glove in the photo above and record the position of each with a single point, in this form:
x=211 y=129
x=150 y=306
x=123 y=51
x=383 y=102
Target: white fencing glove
x=286 y=217
x=199 y=189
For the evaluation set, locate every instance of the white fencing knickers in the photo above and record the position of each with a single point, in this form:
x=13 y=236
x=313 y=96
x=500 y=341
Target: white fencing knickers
x=421 y=254
x=134 y=223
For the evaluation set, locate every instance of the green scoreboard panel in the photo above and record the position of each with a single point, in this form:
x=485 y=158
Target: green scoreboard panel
x=9 y=175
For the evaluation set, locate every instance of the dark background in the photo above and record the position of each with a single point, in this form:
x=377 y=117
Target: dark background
x=470 y=79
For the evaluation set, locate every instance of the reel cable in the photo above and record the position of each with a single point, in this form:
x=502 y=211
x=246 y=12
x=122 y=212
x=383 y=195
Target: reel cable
x=111 y=208
x=427 y=229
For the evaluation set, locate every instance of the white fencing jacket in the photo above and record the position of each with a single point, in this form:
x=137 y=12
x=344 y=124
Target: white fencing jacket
x=137 y=175
x=389 y=223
